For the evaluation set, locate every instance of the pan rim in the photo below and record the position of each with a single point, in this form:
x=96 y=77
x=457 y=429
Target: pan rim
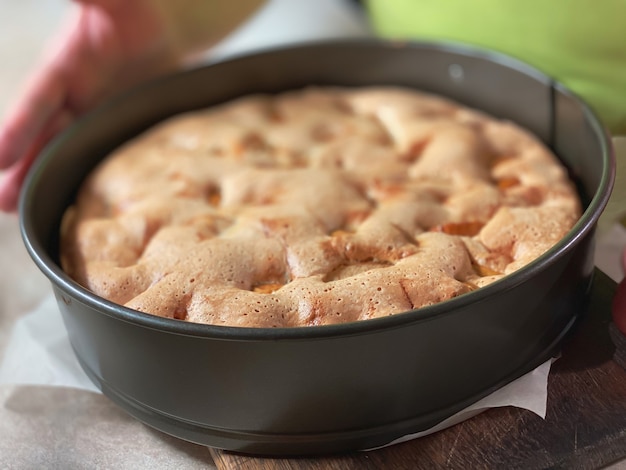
x=582 y=228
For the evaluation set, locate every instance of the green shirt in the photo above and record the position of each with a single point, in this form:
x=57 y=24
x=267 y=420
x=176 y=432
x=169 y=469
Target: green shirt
x=581 y=43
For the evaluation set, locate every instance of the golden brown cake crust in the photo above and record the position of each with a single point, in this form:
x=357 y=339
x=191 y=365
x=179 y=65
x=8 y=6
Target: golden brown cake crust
x=315 y=206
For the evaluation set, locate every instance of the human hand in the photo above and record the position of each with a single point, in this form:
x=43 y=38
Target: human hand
x=105 y=47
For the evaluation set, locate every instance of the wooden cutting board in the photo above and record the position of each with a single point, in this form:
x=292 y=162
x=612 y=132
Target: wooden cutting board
x=585 y=426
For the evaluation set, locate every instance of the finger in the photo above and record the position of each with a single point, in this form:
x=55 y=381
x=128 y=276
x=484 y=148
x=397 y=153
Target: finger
x=41 y=99
x=31 y=115
x=13 y=178
x=10 y=188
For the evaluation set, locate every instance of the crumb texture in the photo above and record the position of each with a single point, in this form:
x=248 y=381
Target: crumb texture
x=315 y=206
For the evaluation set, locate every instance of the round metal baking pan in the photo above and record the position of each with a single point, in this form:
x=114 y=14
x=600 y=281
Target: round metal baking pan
x=330 y=388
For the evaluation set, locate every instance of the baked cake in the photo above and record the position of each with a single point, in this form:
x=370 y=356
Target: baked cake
x=313 y=207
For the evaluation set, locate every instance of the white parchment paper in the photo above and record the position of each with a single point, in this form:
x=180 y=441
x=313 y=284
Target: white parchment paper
x=39 y=352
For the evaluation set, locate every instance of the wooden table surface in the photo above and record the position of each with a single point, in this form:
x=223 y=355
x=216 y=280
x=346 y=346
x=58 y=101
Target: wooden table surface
x=585 y=425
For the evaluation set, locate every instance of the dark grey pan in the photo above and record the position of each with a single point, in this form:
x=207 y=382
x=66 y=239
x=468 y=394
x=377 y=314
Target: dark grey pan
x=332 y=388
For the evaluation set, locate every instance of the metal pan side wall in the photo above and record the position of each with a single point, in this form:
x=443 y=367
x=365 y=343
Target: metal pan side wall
x=357 y=386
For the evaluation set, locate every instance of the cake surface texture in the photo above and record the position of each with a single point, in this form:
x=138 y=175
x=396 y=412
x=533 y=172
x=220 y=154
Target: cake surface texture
x=315 y=206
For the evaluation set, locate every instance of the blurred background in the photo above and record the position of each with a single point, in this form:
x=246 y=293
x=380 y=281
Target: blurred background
x=61 y=417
